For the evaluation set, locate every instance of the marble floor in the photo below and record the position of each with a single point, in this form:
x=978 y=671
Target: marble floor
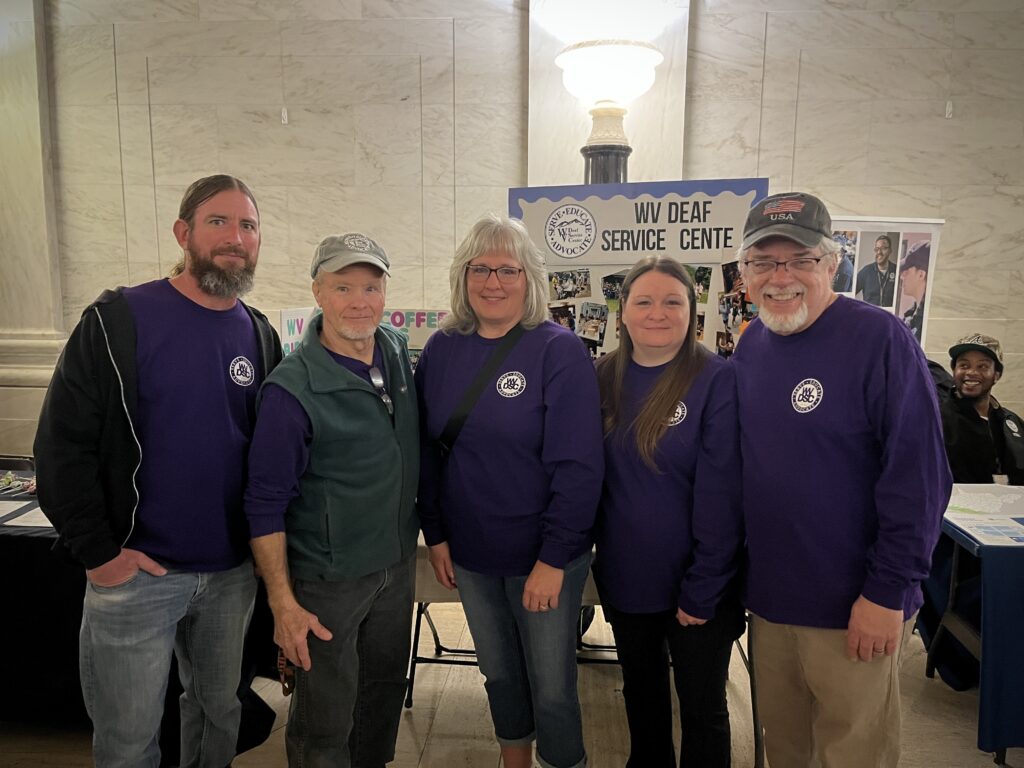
x=448 y=725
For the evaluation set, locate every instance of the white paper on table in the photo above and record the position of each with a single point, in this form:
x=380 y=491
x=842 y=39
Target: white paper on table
x=994 y=500
x=998 y=530
x=34 y=518
x=6 y=507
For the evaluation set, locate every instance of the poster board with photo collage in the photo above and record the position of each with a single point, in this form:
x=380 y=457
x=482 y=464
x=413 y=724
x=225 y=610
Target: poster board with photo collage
x=592 y=234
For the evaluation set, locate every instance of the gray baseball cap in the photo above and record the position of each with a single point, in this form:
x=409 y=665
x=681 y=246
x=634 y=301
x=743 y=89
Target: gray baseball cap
x=336 y=252
x=793 y=215
x=978 y=342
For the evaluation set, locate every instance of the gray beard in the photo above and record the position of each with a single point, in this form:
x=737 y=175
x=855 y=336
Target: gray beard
x=783 y=324
x=222 y=283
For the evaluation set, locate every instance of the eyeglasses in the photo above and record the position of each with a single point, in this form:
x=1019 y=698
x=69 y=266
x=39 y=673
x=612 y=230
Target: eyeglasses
x=377 y=379
x=767 y=266
x=478 y=273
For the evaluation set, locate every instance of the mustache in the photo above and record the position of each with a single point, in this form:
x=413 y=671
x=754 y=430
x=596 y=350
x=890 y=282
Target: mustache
x=230 y=250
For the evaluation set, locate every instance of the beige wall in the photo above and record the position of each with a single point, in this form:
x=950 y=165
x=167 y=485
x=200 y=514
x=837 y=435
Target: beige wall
x=408 y=119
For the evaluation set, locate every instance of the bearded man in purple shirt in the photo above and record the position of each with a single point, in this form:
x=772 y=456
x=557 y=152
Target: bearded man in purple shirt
x=844 y=481
x=140 y=455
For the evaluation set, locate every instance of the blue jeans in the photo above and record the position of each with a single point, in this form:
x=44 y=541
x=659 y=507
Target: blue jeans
x=345 y=711
x=128 y=635
x=529 y=661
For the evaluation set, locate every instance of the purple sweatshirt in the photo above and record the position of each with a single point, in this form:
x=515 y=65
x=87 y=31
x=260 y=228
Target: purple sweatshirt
x=198 y=374
x=523 y=480
x=279 y=454
x=845 y=477
x=673 y=538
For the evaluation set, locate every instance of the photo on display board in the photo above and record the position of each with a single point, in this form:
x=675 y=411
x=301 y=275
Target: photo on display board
x=414 y=357
x=570 y=284
x=700 y=326
x=875 y=280
x=725 y=343
x=611 y=287
x=591 y=322
x=735 y=309
x=847 y=242
x=701 y=275
x=564 y=314
x=914 y=265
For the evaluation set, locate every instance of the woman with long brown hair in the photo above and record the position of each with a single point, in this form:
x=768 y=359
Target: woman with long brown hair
x=669 y=532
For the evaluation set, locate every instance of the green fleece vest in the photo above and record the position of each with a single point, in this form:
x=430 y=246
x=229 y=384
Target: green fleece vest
x=355 y=512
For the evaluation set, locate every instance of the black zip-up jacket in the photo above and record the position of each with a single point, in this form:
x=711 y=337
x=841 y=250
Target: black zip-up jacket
x=86 y=450
x=974 y=446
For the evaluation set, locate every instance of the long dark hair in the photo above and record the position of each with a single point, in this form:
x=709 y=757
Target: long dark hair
x=650 y=424
x=198 y=193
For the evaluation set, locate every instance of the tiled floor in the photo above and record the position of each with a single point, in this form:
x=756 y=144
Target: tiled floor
x=448 y=726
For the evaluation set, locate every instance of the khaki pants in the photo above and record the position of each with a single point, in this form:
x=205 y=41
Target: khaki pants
x=817 y=707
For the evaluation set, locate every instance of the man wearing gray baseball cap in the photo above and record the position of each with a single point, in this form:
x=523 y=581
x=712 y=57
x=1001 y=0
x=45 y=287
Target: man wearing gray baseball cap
x=844 y=484
x=330 y=502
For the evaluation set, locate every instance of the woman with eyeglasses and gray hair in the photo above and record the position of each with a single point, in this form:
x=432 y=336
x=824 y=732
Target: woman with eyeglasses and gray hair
x=510 y=478
x=669 y=531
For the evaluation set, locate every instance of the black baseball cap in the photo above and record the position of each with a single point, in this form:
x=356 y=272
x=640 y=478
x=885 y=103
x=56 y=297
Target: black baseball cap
x=793 y=215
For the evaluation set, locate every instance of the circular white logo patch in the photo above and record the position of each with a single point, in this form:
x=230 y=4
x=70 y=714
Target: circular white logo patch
x=1013 y=427
x=807 y=395
x=678 y=414
x=511 y=384
x=570 y=231
x=242 y=372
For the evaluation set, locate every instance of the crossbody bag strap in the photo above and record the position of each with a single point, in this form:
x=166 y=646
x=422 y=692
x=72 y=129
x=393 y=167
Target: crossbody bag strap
x=451 y=430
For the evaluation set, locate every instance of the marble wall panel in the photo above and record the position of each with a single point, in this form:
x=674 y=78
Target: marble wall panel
x=911 y=201
x=988 y=73
x=87 y=147
x=20 y=402
x=943 y=5
x=140 y=225
x=490 y=60
x=68 y=12
x=242 y=38
x=316 y=146
x=1012 y=339
x=168 y=200
x=438 y=145
x=864 y=74
x=136 y=144
x=969 y=293
x=185 y=143
x=84 y=282
x=741 y=6
x=1015 y=303
x=943 y=333
x=726 y=56
x=144 y=272
x=438 y=224
x=914 y=139
x=472 y=202
x=388 y=145
x=214 y=80
x=345 y=80
x=279 y=10
x=831 y=142
x=132 y=74
x=989 y=30
x=428 y=9
x=721 y=139
x=82 y=65
x=18 y=65
x=91 y=224
x=16 y=435
x=436 y=286
x=776 y=149
x=273 y=205
x=391 y=215
x=437 y=79
x=427 y=37
x=490 y=146
x=18 y=11
x=405 y=288
x=279 y=286
x=833 y=28
x=1010 y=389
x=984 y=227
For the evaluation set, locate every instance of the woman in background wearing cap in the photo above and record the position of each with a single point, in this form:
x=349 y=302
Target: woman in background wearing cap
x=669 y=530
x=507 y=512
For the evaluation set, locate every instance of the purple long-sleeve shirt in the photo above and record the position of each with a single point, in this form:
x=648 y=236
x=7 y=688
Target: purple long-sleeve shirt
x=279 y=453
x=844 y=472
x=673 y=538
x=523 y=480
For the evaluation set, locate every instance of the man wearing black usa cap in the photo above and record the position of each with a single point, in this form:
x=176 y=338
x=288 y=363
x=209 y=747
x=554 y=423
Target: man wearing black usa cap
x=331 y=507
x=844 y=480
